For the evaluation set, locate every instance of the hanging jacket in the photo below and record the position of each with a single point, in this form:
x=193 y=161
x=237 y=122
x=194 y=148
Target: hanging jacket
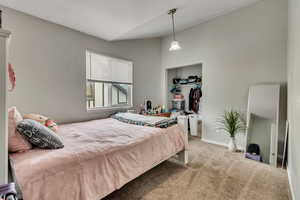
x=194 y=99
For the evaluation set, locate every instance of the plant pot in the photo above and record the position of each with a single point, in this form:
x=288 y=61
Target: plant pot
x=232 y=145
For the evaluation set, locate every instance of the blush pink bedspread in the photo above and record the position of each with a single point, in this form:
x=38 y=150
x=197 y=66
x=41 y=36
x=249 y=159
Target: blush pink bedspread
x=99 y=157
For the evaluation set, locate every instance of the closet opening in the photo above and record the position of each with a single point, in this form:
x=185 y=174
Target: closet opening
x=185 y=94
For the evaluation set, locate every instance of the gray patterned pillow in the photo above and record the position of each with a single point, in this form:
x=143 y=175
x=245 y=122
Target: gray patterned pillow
x=39 y=135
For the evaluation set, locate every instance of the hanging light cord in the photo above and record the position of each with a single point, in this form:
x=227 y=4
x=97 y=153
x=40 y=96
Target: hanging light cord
x=173 y=23
x=172 y=13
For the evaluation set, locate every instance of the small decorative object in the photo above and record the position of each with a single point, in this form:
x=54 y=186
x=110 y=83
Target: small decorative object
x=142 y=109
x=147 y=104
x=43 y=120
x=12 y=77
x=163 y=109
x=157 y=109
x=232 y=123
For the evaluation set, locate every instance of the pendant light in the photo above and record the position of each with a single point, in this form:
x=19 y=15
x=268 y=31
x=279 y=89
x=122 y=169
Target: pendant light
x=175 y=46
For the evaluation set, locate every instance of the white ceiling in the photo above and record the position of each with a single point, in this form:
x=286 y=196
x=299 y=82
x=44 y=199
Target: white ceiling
x=125 y=19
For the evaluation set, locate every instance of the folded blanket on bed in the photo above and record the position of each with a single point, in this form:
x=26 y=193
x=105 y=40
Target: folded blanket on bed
x=144 y=120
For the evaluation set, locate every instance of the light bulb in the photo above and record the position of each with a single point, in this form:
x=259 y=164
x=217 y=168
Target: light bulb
x=175 y=46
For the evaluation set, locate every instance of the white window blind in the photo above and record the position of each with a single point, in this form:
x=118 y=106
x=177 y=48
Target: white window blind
x=109 y=81
x=108 y=69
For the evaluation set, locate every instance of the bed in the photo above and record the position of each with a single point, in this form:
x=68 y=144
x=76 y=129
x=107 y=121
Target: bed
x=99 y=157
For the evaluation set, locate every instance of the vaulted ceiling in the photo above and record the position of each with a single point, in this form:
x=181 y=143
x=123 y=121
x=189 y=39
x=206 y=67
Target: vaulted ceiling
x=125 y=19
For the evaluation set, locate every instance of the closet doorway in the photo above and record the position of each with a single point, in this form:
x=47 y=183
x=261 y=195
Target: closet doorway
x=184 y=94
x=180 y=82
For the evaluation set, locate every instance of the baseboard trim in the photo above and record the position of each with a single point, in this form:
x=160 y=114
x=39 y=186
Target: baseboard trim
x=214 y=142
x=290 y=184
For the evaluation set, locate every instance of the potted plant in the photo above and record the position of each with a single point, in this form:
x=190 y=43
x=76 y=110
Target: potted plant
x=232 y=123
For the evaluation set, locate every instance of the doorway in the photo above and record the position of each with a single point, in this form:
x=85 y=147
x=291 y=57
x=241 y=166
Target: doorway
x=184 y=94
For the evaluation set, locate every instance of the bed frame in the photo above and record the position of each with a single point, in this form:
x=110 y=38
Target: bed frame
x=183 y=123
x=4 y=37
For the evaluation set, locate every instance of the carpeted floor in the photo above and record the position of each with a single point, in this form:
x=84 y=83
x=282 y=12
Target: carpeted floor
x=212 y=174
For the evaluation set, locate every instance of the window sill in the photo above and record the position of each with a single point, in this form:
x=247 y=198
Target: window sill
x=109 y=108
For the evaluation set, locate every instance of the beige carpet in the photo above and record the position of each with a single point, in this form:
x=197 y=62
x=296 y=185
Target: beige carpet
x=212 y=174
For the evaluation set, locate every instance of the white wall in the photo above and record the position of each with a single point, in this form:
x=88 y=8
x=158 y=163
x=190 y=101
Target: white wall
x=294 y=96
x=240 y=49
x=49 y=61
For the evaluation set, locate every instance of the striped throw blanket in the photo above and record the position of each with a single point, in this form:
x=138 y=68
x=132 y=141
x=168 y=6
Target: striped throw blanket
x=144 y=120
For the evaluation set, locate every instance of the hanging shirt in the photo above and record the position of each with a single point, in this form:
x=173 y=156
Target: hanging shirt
x=194 y=99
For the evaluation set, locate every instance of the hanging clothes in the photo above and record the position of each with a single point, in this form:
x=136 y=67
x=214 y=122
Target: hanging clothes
x=194 y=99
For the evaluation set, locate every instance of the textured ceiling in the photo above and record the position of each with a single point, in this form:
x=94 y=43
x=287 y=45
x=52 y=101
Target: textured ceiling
x=125 y=19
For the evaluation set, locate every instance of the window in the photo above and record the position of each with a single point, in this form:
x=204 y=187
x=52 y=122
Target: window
x=108 y=81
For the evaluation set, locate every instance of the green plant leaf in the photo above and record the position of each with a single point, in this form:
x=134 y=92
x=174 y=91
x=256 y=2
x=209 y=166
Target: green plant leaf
x=231 y=122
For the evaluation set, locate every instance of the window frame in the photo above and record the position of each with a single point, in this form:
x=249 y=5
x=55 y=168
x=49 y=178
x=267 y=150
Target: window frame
x=110 y=85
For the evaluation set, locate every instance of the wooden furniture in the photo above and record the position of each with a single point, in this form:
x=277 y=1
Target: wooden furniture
x=161 y=114
x=4 y=35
